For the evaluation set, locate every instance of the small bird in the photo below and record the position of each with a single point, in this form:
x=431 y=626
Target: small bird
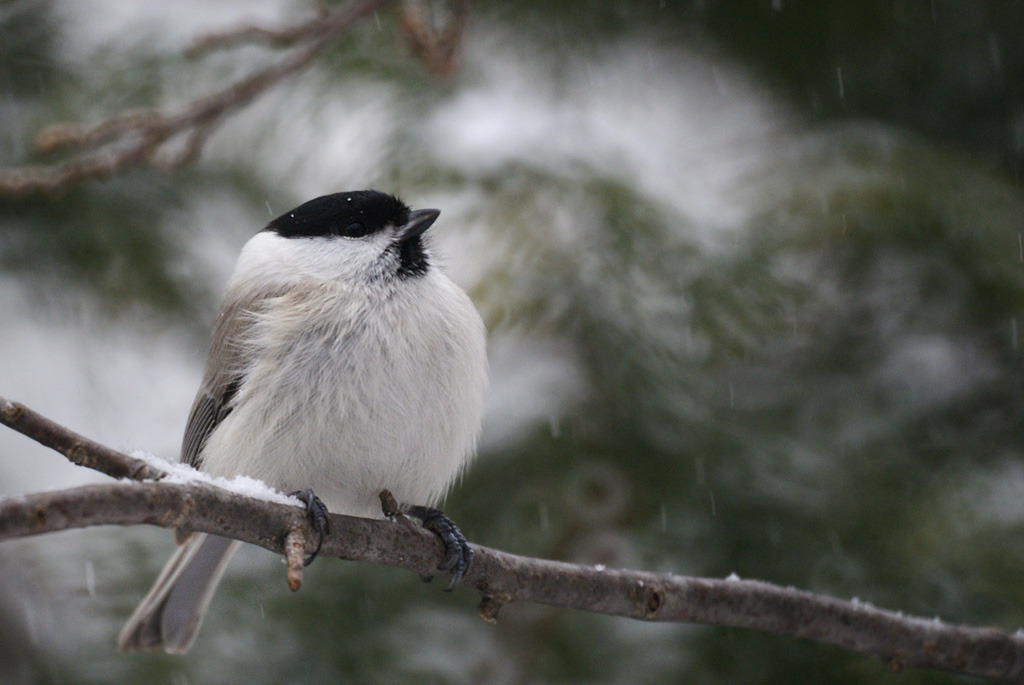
x=343 y=363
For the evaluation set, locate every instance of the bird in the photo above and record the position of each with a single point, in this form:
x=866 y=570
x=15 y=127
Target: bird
x=344 y=362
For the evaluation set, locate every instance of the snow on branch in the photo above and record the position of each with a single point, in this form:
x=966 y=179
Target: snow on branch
x=274 y=523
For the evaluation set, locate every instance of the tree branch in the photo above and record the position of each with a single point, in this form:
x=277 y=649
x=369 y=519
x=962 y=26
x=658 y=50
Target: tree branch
x=78 y=449
x=503 y=578
x=143 y=137
x=137 y=138
x=262 y=35
x=435 y=42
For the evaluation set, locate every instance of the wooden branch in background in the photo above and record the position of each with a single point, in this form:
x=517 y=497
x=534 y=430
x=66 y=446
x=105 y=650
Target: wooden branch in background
x=260 y=35
x=132 y=139
x=500 y=577
x=436 y=43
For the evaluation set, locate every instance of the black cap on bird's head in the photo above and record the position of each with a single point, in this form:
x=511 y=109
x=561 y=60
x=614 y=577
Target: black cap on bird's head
x=362 y=214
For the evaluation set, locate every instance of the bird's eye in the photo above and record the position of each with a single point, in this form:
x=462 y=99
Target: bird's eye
x=354 y=230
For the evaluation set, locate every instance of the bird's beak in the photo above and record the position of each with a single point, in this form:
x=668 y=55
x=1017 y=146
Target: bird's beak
x=419 y=221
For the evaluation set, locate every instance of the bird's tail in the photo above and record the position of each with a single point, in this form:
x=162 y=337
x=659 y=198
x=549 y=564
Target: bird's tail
x=171 y=614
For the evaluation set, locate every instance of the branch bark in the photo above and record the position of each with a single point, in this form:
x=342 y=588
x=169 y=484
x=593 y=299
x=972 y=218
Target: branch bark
x=502 y=578
x=78 y=449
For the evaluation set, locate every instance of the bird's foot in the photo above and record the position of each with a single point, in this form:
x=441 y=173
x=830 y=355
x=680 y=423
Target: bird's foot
x=457 y=553
x=317 y=512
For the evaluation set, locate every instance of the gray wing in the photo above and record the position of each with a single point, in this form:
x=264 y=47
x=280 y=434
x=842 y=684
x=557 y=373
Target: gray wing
x=208 y=410
x=224 y=374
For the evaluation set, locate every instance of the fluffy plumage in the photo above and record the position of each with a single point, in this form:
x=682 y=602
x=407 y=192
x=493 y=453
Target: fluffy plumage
x=341 y=361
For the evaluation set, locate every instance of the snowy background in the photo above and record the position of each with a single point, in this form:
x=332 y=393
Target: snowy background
x=753 y=277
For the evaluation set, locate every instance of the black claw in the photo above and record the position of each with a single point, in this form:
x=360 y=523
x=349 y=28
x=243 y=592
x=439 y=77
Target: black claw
x=457 y=553
x=317 y=512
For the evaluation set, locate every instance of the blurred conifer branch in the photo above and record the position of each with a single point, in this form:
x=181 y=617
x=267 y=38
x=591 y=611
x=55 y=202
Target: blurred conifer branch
x=501 y=578
x=167 y=141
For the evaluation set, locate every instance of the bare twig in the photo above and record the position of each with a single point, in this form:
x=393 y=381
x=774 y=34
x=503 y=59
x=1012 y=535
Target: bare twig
x=294 y=551
x=249 y=34
x=80 y=450
x=500 y=577
x=135 y=138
